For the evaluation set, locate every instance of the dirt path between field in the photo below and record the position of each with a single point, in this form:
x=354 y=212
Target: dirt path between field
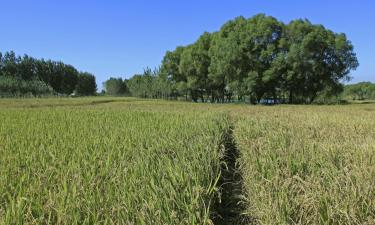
x=231 y=205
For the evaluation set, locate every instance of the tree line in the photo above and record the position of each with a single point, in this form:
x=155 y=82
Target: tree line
x=29 y=76
x=253 y=59
x=359 y=91
x=149 y=84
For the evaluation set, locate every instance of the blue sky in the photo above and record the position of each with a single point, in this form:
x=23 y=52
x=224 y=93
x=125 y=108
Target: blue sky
x=120 y=38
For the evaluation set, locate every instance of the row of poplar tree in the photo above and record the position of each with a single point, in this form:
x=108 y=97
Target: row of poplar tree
x=26 y=75
x=253 y=59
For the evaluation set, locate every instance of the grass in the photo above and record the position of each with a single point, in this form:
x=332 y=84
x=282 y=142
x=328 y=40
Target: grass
x=129 y=161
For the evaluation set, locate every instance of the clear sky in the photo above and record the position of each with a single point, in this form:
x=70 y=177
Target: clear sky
x=120 y=38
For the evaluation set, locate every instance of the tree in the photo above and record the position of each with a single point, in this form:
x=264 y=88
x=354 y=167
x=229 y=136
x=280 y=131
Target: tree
x=115 y=86
x=26 y=68
x=170 y=68
x=243 y=52
x=163 y=85
x=1 y=64
x=316 y=58
x=11 y=86
x=67 y=78
x=39 y=74
x=10 y=62
x=259 y=58
x=194 y=64
x=150 y=84
x=135 y=84
x=360 y=91
x=86 y=84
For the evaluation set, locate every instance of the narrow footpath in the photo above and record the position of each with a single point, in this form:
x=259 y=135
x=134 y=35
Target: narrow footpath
x=230 y=206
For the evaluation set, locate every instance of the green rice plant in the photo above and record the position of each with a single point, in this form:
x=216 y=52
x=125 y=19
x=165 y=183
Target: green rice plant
x=87 y=165
x=129 y=161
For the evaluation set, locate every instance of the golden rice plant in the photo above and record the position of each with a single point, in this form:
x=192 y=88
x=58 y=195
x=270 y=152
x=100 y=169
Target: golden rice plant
x=308 y=164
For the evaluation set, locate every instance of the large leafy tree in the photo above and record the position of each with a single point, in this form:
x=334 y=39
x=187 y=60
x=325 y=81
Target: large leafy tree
x=317 y=58
x=262 y=48
x=243 y=53
x=115 y=86
x=68 y=78
x=258 y=58
x=86 y=84
x=170 y=68
x=225 y=69
x=194 y=64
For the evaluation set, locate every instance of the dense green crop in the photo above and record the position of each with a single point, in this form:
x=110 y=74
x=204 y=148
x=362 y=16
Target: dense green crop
x=90 y=166
x=131 y=161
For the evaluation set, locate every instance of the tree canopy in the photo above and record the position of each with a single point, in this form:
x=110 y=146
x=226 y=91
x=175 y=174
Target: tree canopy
x=150 y=84
x=116 y=86
x=256 y=58
x=86 y=84
x=360 y=91
x=42 y=76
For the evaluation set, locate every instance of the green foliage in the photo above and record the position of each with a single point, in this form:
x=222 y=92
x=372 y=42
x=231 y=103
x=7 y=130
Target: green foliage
x=86 y=84
x=258 y=58
x=62 y=78
x=116 y=86
x=14 y=87
x=317 y=59
x=359 y=91
x=151 y=84
x=171 y=65
x=194 y=65
x=244 y=52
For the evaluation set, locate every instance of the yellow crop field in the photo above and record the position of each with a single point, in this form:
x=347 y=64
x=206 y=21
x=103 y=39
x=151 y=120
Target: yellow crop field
x=308 y=164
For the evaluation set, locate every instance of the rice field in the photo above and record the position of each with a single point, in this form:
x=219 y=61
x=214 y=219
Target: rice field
x=308 y=164
x=69 y=165
x=131 y=161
